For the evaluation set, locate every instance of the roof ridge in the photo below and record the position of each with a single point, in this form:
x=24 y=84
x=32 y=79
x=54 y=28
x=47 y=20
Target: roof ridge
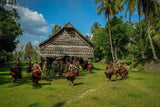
x=68 y=25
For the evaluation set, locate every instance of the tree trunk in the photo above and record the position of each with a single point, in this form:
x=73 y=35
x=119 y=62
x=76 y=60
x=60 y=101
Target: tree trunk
x=115 y=51
x=150 y=40
x=110 y=39
x=142 y=52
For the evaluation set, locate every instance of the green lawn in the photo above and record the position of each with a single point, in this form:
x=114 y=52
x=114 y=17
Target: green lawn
x=140 y=89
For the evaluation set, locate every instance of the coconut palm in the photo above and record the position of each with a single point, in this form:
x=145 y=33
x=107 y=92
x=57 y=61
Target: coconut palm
x=140 y=34
x=148 y=8
x=96 y=25
x=108 y=8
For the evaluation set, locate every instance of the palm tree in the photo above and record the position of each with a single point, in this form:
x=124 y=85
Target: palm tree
x=155 y=30
x=96 y=25
x=140 y=34
x=108 y=8
x=148 y=8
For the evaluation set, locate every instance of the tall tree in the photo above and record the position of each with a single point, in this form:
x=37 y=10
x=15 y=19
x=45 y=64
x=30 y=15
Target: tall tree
x=108 y=8
x=102 y=46
x=29 y=50
x=148 y=8
x=140 y=38
x=120 y=35
x=96 y=25
x=155 y=29
x=9 y=28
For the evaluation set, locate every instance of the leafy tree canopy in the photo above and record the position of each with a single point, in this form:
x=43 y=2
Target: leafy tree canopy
x=9 y=28
x=56 y=28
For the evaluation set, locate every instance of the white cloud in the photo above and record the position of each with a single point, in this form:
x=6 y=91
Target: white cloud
x=32 y=22
x=35 y=42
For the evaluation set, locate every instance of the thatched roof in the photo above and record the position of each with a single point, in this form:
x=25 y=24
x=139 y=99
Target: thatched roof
x=67 y=26
x=68 y=41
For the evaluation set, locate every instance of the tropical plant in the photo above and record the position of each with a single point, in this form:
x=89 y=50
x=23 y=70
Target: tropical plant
x=96 y=25
x=148 y=8
x=120 y=35
x=102 y=46
x=140 y=39
x=108 y=8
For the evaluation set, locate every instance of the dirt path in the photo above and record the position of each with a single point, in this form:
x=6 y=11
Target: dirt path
x=80 y=96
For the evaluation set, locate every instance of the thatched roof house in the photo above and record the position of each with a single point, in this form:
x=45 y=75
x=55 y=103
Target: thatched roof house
x=67 y=42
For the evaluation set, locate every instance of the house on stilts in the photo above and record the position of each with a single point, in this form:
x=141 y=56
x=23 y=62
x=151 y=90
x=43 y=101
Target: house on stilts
x=68 y=42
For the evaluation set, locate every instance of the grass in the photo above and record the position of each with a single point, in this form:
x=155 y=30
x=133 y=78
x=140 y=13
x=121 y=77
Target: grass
x=140 y=89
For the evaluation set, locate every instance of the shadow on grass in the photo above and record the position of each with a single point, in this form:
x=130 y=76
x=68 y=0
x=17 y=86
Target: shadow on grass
x=4 y=69
x=59 y=77
x=53 y=77
x=34 y=105
x=91 y=72
x=40 y=85
x=37 y=86
x=114 y=80
x=4 y=80
x=61 y=104
x=120 y=79
x=133 y=95
x=75 y=84
x=4 y=74
x=95 y=98
x=47 y=78
x=22 y=81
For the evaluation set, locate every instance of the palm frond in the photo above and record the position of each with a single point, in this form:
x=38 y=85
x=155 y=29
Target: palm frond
x=98 y=1
x=130 y=7
x=107 y=7
x=100 y=6
x=139 y=4
x=100 y=11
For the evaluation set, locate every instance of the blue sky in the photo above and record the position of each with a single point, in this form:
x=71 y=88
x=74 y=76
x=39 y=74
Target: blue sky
x=39 y=16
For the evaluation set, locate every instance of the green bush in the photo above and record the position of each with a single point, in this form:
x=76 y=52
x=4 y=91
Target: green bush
x=129 y=62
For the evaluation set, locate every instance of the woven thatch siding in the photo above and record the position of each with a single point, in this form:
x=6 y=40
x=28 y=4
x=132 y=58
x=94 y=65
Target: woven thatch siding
x=67 y=42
